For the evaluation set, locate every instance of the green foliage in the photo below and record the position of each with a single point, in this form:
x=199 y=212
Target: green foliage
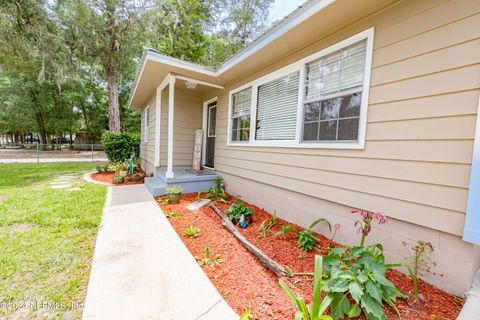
x=207 y=260
x=267 y=224
x=192 y=232
x=47 y=236
x=420 y=257
x=359 y=273
x=247 y=314
x=217 y=191
x=306 y=239
x=102 y=168
x=118 y=179
x=119 y=146
x=316 y=310
x=172 y=214
x=237 y=209
x=120 y=166
x=286 y=228
x=174 y=189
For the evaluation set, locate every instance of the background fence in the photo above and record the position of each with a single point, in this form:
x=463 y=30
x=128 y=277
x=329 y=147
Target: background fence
x=37 y=152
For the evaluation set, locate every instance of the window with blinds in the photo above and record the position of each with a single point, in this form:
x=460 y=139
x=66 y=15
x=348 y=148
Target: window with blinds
x=241 y=108
x=277 y=103
x=333 y=94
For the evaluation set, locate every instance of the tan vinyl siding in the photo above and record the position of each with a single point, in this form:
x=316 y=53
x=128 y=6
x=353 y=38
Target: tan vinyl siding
x=147 y=150
x=187 y=118
x=421 y=119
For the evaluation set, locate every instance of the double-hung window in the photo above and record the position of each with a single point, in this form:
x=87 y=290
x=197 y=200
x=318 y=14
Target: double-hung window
x=241 y=109
x=317 y=102
x=333 y=95
x=277 y=103
x=146 y=127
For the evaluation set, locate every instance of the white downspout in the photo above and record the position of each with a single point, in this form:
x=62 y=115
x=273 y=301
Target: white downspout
x=471 y=308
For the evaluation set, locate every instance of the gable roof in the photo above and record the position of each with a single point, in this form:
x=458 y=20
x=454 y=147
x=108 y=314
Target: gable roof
x=309 y=21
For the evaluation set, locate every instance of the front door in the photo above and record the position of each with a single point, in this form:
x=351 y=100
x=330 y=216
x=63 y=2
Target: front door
x=210 y=135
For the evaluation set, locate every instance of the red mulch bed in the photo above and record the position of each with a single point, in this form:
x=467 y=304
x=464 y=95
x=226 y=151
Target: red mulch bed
x=245 y=283
x=107 y=177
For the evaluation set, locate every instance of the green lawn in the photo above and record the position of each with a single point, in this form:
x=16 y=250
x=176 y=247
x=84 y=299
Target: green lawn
x=47 y=238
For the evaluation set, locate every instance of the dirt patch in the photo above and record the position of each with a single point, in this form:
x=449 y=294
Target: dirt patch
x=245 y=283
x=107 y=177
x=20 y=227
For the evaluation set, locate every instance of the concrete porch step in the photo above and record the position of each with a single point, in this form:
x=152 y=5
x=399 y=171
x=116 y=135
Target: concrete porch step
x=189 y=181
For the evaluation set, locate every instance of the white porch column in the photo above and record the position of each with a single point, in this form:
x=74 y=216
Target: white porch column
x=171 y=96
x=158 y=115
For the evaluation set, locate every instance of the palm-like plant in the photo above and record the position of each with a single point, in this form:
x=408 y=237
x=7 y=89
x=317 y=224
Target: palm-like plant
x=315 y=310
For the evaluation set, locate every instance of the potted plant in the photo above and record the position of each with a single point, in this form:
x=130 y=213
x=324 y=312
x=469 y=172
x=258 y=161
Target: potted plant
x=174 y=193
x=237 y=210
x=121 y=169
x=117 y=179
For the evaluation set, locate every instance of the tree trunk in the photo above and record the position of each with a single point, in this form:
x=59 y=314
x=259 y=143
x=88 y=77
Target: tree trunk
x=113 y=105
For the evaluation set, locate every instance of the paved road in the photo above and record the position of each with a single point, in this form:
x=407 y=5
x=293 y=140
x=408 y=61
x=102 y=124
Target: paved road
x=46 y=160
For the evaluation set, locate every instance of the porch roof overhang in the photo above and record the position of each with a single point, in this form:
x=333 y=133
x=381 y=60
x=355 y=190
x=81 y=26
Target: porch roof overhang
x=310 y=22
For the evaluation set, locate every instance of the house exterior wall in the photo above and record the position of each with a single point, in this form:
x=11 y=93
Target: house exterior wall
x=415 y=166
x=147 y=148
x=187 y=117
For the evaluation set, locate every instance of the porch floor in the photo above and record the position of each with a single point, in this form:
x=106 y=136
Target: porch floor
x=190 y=181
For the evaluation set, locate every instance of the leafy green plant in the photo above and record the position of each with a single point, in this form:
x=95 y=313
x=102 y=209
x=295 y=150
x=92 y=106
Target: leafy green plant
x=306 y=239
x=192 y=232
x=117 y=180
x=419 y=258
x=217 y=191
x=119 y=146
x=237 y=209
x=267 y=224
x=173 y=190
x=359 y=273
x=172 y=214
x=316 y=310
x=207 y=260
x=120 y=166
x=247 y=314
x=102 y=168
x=286 y=228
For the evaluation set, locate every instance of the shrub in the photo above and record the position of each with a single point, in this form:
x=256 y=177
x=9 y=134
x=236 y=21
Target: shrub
x=119 y=146
x=316 y=310
x=306 y=239
x=237 y=209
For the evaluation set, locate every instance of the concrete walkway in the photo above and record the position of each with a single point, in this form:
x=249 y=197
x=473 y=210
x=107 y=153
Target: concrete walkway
x=142 y=270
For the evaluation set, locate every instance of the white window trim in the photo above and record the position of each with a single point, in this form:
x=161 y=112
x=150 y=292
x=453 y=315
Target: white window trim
x=146 y=125
x=300 y=65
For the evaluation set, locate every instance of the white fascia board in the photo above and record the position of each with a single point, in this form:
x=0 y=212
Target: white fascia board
x=297 y=17
x=275 y=33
